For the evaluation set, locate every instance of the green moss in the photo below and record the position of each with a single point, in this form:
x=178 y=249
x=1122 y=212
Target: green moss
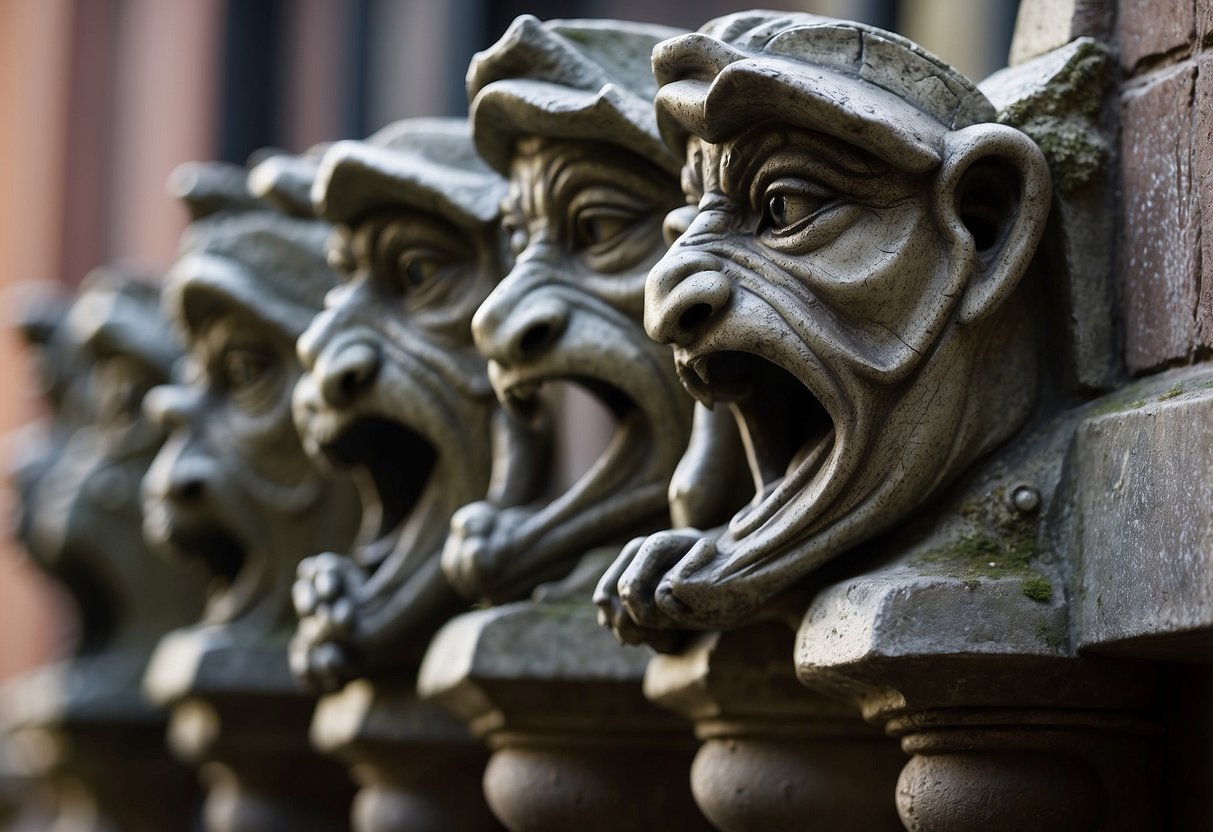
x=1048 y=635
x=1038 y=588
x=998 y=542
x=1172 y=392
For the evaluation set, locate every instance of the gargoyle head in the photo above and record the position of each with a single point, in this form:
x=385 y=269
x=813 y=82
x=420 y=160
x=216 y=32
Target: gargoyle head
x=847 y=285
x=81 y=513
x=564 y=109
x=395 y=391
x=232 y=486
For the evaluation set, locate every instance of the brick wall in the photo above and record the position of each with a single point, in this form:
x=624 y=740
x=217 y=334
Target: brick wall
x=1166 y=244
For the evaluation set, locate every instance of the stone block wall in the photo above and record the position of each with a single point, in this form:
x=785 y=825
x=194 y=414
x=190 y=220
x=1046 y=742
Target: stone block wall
x=1166 y=111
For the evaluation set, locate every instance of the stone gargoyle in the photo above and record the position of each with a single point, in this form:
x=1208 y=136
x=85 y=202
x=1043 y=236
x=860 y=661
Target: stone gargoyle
x=395 y=391
x=850 y=285
x=563 y=109
x=232 y=487
x=80 y=514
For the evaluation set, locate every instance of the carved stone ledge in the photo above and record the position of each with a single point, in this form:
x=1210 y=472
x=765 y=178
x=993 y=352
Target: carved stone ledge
x=772 y=753
x=1006 y=728
x=1144 y=587
x=560 y=705
x=237 y=715
x=63 y=723
x=417 y=767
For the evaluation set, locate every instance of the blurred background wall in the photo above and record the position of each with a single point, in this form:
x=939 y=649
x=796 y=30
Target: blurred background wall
x=100 y=99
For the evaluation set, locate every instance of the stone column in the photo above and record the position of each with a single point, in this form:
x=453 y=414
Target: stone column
x=1007 y=728
x=239 y=718
x=574 y=743
x=416 y=766
x=773 y=755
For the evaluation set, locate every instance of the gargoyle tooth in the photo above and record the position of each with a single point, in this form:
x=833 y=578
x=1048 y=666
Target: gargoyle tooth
x=692 y=381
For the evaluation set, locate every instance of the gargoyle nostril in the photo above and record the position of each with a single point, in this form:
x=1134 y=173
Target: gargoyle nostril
x=189 y=490
x=349 y=373
x=535 y=339
x=695 y=317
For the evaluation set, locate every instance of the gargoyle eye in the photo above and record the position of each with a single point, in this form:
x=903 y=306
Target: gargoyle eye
x=784 y=210
x=420 y=267
x=595 y=227
x=243 y=368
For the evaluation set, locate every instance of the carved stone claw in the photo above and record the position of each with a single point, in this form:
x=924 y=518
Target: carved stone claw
x=478 y=548
x=320 y=653
x=615 y=597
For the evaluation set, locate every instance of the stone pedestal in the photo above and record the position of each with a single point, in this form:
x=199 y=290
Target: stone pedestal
x=1007 y=730
x=237 y=715
x=774 y=756
x=575 y=745
x=418 y=768
x=65 y=724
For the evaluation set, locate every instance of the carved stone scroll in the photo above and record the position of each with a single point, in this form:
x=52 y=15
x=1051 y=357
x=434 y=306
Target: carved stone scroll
x=80 y=519
x=233 y=489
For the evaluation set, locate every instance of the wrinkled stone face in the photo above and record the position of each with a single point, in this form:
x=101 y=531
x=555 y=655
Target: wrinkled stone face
x=232 y=486
x=584 y=222
x=81 y=492
x=394 y=388
x=804 y=295
x=815 y=292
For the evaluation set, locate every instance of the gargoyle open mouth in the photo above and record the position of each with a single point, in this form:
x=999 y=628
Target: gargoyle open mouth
x=224 y=558
x=787 y=431
x=390 y=465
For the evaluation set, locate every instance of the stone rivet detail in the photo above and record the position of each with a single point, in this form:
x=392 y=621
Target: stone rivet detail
x=1025 y=499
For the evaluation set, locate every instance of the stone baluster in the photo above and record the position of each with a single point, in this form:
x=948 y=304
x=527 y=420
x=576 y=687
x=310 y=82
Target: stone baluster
x=233 y=490
x=395 y=391
x=772 y=755
x=560 y=706
x=80 y=520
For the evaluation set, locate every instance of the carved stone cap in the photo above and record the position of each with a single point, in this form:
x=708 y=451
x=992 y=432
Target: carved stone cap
x=871 y=88
x=111 y=315
x=571 y=79
x=246 y=252
x=429 y=163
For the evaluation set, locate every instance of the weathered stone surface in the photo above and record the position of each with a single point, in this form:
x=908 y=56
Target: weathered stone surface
x=773 y=753
x=1153 y=27
x=1059 y=100
x=394 y=391
x=832 y=299
x=1041 y=26
x=561 y=705
x=1160 y=221
x=1146 y=504
x=233 y=489
x=417 y=767
x=1202 y=150
x=574 y=96
x=1045 y=25
x=80 y=520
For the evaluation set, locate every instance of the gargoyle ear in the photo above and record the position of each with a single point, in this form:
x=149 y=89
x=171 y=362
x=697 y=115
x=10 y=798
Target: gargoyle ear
x=993 y=193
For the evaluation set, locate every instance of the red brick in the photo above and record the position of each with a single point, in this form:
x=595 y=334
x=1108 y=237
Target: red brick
x=1159 y=256
x=1153 y=27
x=1202 y=151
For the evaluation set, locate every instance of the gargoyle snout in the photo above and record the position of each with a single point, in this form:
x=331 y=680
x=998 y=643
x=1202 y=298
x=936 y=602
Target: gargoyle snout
x=514 y=327
x=346 y=370
x=172 y=406
x=683 y=296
